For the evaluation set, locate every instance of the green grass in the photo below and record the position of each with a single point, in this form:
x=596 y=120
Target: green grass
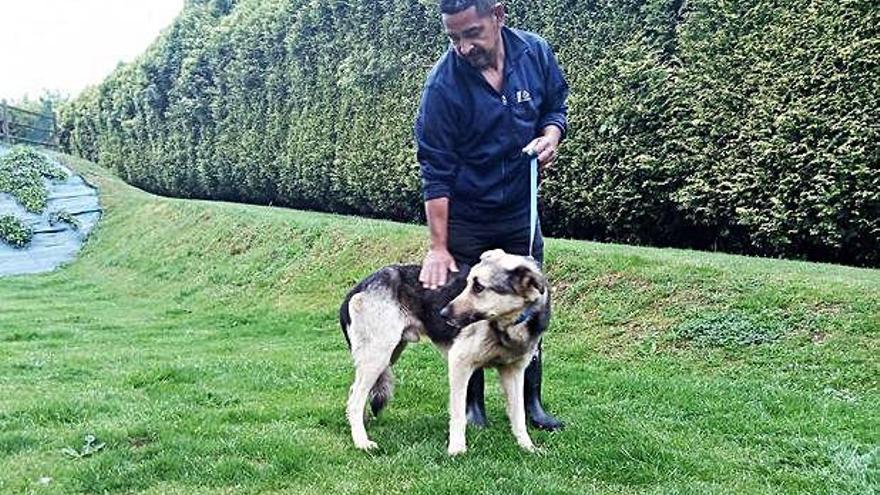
x=199 y=342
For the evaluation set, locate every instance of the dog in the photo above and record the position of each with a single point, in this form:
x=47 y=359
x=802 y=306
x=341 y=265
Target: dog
x=492 y=317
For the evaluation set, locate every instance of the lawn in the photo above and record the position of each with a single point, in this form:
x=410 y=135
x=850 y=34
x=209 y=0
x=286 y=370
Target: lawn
x=199 y=343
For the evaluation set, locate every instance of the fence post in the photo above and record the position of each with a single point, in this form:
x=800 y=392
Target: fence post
x=56 y=142
x=4 y=121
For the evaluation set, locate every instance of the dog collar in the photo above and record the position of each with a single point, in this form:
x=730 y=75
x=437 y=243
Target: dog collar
x=526 y=314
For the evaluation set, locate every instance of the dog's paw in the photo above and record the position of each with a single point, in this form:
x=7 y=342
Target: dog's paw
x=528 y=446
x=454 y=450
x=367 y=445
x=536 y=451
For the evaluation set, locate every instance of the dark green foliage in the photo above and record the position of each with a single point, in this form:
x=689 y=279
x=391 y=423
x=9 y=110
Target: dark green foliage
x=784 y=110
x=14 y=232
x=22 y=170
x=744 y=126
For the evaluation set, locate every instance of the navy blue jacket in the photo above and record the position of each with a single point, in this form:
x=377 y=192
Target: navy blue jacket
x=470 y=137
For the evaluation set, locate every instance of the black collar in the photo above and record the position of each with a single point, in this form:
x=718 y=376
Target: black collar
x=527 y=314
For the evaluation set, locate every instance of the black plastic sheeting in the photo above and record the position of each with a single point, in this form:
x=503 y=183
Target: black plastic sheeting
x=51 y=245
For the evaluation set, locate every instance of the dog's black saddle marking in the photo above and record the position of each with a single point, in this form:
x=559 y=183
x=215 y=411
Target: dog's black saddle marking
x=422 y=304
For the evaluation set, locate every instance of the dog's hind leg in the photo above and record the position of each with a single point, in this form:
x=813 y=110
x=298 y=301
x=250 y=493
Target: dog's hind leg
x=512 y=379
x=365 y=376
x=383 y=389
x=376 y=329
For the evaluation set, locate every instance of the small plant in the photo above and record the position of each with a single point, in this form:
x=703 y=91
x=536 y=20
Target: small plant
x=14 y=232
x=90 y=446
x=729 y=329
x=62 y=216
x=21 y=174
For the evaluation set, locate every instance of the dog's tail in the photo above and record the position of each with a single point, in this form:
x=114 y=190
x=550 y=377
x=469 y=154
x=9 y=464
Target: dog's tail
x=382 y=391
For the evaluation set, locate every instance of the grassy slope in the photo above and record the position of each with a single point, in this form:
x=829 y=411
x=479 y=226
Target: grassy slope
x=199 y=341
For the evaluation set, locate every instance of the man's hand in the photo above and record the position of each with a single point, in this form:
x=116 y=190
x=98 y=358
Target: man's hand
x=545 y=146
x=437 y=263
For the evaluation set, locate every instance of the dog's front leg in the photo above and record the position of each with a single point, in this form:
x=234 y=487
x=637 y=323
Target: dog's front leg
x=512 y=380
x=460 y=371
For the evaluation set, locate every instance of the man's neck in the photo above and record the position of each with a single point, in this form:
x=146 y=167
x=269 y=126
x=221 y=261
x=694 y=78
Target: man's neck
x=499 y=58
x=494 y=73
x=498 y=64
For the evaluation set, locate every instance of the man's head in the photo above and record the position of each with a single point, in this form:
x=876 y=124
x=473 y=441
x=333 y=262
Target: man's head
x=474 y=28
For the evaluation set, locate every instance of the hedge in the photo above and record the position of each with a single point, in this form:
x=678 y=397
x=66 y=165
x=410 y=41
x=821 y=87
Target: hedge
x=750 y=127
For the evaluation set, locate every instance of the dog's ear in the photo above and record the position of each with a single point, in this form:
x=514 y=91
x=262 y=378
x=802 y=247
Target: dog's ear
x=492 y=254
x=524 y=278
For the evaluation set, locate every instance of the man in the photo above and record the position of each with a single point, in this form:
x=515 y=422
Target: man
x=496 y=94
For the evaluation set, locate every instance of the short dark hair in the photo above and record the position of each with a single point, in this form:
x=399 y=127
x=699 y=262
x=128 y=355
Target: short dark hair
x=456 y=6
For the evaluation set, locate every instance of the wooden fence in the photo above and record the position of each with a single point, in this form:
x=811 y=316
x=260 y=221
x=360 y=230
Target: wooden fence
x=18 y=125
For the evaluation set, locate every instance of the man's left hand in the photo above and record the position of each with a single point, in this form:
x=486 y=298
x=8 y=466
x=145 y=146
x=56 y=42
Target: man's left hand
x=545 y=147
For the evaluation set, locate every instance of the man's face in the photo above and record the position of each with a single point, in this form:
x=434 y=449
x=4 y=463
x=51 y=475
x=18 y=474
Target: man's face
x=475 y=38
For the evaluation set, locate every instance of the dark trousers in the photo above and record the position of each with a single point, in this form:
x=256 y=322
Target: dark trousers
x=468 y=240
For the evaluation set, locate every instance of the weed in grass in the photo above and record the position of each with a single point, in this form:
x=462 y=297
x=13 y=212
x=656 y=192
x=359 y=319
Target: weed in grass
x=90 y=446
x=730 y=328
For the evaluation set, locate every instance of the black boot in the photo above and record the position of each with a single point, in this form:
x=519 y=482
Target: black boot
x=475 y=403
x=538 y=417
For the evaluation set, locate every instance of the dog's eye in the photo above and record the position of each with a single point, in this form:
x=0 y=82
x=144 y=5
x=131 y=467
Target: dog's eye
x=478 y=287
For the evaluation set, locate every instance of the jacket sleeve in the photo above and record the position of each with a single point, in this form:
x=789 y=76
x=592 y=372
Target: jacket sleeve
x=435 y=134
x=554 y=109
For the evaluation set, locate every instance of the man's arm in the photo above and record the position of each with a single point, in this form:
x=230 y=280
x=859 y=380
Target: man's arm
x=554 y=111
x=438 y=260
x=435 y=138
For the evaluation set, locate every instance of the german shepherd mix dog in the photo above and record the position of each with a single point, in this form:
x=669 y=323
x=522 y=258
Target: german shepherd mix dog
x=493 y=317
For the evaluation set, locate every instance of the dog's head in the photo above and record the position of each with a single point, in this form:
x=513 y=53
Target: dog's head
x=499 y=288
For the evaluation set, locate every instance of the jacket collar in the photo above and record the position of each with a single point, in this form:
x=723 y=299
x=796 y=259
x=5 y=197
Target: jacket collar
x=514 y=45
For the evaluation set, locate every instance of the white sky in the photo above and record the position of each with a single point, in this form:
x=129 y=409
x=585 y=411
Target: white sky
x=66 y=45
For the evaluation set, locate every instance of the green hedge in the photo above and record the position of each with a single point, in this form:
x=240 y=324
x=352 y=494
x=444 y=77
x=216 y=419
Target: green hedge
x=745 y=126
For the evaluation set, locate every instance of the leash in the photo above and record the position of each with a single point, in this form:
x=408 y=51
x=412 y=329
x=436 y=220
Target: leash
x=533 y=201
x=533 y=223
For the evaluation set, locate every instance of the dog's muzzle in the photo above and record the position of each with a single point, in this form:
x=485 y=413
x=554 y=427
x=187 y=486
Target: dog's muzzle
x=459 y=321
x=446 y=314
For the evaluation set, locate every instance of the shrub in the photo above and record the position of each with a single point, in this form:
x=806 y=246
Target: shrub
x=57 y=217
x=14 y=232
x=21 y=174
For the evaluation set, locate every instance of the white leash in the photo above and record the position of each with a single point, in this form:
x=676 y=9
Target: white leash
x=533 y=202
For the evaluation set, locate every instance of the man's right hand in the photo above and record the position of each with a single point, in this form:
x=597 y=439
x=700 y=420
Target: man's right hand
x=437 y=263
